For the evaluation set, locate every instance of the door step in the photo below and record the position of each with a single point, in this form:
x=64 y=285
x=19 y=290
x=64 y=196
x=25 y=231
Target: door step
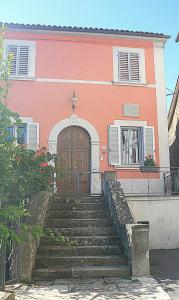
x=102 y=271
x=90 y=214
x=65 y=223
x=76 y=206
x=79 y=250
x=84 y=240
x=67 y=261
x=51 y=273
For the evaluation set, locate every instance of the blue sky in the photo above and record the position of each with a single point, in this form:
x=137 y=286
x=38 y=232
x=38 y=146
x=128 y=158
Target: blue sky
x=144 y=15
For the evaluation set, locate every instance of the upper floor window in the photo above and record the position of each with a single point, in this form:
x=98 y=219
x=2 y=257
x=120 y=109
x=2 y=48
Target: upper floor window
x=23 y=58
x=128 y=65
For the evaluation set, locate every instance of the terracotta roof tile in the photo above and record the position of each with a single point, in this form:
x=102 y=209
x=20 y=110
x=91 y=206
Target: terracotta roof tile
x=84 y=29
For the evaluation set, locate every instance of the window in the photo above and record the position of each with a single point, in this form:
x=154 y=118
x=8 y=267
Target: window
x=131 y=146
x=10 y=134
x=18 y=133
x=23 y=58
x=128 y=65
x=128 y=145
x=25 y=134
x=21 y=134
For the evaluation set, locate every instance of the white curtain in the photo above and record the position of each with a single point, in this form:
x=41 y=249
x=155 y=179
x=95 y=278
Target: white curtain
x=130 y=146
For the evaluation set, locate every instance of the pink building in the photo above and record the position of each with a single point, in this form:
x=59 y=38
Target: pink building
x=115 y=82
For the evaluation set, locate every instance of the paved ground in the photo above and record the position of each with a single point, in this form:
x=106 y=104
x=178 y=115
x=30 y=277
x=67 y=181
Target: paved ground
x=165 y=268
x=97 y=289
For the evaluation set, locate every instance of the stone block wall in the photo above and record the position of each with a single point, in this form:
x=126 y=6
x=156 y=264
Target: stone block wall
x=27 y=250
x=134 y=237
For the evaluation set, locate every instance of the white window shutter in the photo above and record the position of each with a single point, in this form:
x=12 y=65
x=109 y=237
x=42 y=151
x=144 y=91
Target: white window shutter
x=114 y=145
x=149 y=141
x=23 y=59
x=123 y=63
x=32 y=136
x=13 y=50
x=134 y=67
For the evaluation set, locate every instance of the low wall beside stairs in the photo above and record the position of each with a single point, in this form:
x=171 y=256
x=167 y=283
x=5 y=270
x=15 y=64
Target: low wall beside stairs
x=134 y=236
x=162 y=213
x=27 y=250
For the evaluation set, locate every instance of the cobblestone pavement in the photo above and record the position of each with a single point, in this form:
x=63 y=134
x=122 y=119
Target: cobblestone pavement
x=165 y=269
x=94 y=289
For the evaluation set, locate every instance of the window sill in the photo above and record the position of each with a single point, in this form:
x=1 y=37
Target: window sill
x=131 y=167
x=130 y=83
x=22 y=78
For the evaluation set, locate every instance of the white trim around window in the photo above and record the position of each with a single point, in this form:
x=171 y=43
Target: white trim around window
x=23 y=63
x=126 y=123
x=131 y=79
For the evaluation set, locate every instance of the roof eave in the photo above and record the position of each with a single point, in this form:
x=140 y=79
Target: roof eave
x=85 y=30
x=133 y=36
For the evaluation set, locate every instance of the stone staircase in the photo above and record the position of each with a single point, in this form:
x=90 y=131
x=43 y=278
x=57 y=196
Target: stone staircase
x=86 y=221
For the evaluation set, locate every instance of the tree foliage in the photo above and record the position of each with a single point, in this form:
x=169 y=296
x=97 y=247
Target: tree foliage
x=22 y=171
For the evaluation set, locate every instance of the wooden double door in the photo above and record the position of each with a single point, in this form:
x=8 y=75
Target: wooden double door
x=73 y=157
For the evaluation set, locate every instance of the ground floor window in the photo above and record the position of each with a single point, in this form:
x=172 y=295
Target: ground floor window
x=18 y=133
x=131 y=145
x=128 y=145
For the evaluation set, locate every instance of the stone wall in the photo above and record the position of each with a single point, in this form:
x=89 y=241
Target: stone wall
x=134 y=237
x=27 y=250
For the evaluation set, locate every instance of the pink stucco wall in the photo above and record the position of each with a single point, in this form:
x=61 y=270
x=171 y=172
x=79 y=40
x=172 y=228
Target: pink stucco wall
x=83 y=58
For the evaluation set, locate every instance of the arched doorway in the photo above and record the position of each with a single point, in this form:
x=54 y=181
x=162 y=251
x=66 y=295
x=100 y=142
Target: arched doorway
x=73 y=156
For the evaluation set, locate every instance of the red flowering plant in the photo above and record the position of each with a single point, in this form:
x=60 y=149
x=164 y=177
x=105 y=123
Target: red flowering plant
x=20 y=168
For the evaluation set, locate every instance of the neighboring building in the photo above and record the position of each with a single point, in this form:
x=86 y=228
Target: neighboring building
x=173 y=127
x=115 y=80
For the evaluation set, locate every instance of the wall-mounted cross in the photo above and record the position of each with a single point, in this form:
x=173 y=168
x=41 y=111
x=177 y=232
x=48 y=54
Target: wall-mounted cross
x=74 y=100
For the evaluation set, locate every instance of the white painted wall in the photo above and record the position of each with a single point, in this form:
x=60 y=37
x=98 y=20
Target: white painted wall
x=161 y=104
x=163 y=216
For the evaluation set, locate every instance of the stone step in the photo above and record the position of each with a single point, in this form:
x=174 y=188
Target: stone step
x=85 y=231
x=52 y=261
x=78 y=214
x=55 y=222
x=52 y=273
x=122 y=271
x=45 y=274
x=78 y=250
x=84 y=241
x=75 y=206
x=77 y=199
